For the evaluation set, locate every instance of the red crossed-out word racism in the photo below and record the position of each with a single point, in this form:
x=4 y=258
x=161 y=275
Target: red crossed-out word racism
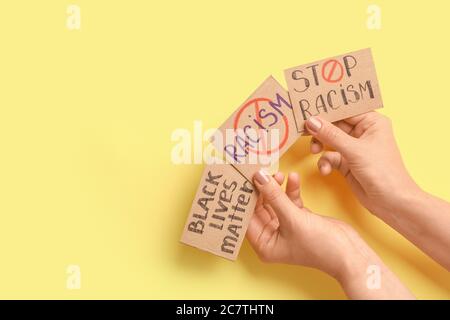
x=256 y=114
x=261 y=126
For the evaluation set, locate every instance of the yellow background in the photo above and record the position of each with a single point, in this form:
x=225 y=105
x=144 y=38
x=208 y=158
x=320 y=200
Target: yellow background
x=86 y=119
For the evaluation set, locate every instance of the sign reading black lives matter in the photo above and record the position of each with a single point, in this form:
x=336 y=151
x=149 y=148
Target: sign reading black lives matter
x=221 y=211
x=334 y=88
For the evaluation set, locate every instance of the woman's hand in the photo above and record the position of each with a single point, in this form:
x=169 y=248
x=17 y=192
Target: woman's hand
x=283 y=230
x=367 y=156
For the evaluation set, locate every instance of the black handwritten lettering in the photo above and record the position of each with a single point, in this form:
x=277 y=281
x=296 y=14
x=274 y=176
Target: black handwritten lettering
x=320 y=104
x=367 y=86
x=213 y=179
x=314 y=72
x=330 y=100
x=296 y=76
x=228 y=242
x=196 y=226
x=207 y=192
x=304 y=107
x=355 y=93
x=350 y=63
x=246 y=187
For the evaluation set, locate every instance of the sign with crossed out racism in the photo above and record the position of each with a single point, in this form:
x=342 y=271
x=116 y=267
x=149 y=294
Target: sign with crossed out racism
x=261 y=130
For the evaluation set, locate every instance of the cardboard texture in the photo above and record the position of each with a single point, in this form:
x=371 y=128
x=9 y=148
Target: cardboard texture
x=259 y=131
x=335 y=88
x=220 y=212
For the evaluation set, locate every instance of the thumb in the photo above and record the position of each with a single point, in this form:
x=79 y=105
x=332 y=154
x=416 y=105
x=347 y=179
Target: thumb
x=275 y=196
x=329 y=134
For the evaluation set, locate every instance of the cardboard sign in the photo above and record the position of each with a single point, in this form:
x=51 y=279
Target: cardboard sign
x=220 y=212
x=334 y=88
x=259 y=131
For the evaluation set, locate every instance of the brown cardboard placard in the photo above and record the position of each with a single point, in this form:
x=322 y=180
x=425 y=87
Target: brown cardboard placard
x=259 y=131
x=334 y=88
x=220 y=212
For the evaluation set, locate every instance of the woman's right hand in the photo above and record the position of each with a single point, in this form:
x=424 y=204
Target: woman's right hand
x=368 y=157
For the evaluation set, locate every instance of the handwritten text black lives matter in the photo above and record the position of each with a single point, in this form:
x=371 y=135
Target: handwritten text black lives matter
x=336 y=88
x=223 y=207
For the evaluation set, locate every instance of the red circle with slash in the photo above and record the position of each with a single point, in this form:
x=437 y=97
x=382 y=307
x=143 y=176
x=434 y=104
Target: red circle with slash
x=332 y=75
x=255 y=103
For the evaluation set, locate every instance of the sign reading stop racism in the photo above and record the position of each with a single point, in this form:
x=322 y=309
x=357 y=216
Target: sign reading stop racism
x=334 y=88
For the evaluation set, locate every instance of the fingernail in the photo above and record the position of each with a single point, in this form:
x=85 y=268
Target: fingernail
x=293 y=175
x=313 y=124
x=262 y=177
